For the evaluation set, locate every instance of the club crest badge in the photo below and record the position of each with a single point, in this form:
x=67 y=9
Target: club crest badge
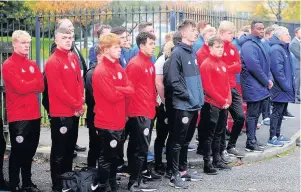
x=31 y=69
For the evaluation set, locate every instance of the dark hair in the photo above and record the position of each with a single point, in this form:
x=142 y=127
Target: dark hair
x=118 y=30
x=215 y=39
x=269 y=30
x=186 y=23
x=297 y=29
x=143 y=25
x=97 y=50
x=254 y=23
x=142 y=38
x=101 y=28
x=177 y=37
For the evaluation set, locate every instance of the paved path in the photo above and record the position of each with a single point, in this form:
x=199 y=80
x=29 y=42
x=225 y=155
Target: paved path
x=277 y=174
x=290 y=128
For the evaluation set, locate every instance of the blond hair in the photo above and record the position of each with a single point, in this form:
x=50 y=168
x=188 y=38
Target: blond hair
x=18 y=34
x=226 y=26
x=108 y=40
x=207 y=30
x=167 y=48
x=169 y=36
x=246 y=29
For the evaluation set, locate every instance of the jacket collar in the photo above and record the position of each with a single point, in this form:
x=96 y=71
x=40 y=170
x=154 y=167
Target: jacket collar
x=143 y=56
x=18 y=57
x=215 y=58
x=61 y=52
x=185 y=47
x=107 y=62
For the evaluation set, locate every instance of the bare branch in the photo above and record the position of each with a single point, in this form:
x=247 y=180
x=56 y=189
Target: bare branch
x=277 y=7
x=272 y=5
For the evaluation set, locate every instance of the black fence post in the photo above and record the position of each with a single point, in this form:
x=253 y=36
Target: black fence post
x=172 y=21
x=38 y=56
x=181 y=16
x=38 y=40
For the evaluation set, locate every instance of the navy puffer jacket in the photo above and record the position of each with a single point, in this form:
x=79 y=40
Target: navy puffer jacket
x=255 y=74
x=282 y=71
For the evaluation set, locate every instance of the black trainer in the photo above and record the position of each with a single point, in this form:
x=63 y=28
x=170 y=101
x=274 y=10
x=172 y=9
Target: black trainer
x=151 y=175
x=168 y=174
x=209 y=170
x=260 y=145
x=288 y=115
x=31 y=188
x=221 y=166
x=141 y=187
x=177 y=182
x=80 y=149
x=254 y=148
x=160 y=169
x=191 y=176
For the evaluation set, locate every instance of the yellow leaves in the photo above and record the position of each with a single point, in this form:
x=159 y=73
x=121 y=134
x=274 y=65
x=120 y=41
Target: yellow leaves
x=292 y=12
x=261 y=11
x=64 y=6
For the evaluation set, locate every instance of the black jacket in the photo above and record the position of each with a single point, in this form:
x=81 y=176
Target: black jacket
x=166 y=82
x=184 y=79
x=89 y=97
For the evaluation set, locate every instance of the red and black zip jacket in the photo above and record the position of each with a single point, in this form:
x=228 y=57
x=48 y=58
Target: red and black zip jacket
x=110 y=88
x=141 y=73
x=215 y=82
x=232 y=59
x=65 y=84
x=23 y=81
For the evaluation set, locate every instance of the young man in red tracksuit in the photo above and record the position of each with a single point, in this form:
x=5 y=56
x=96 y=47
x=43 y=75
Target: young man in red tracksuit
x=202 y=54
x=110 y=88
x=217 y=99
x=66 y=102
x=140 y=108
x=23 y=82
x=231 y=58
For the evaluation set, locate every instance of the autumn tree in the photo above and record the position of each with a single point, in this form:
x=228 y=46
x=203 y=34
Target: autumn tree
x=277 y=7
x=261 y=12
x=12 y=14
x=61 y=6
x=292 y=12
x=79 y=12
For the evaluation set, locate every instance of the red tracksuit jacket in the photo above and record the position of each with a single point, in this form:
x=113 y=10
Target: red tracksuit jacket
x=232 y=59
x=202 y=54
x=23 y=81
x=141 y=73
x=65 y=84
x=215 y=82
x=110 y=88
